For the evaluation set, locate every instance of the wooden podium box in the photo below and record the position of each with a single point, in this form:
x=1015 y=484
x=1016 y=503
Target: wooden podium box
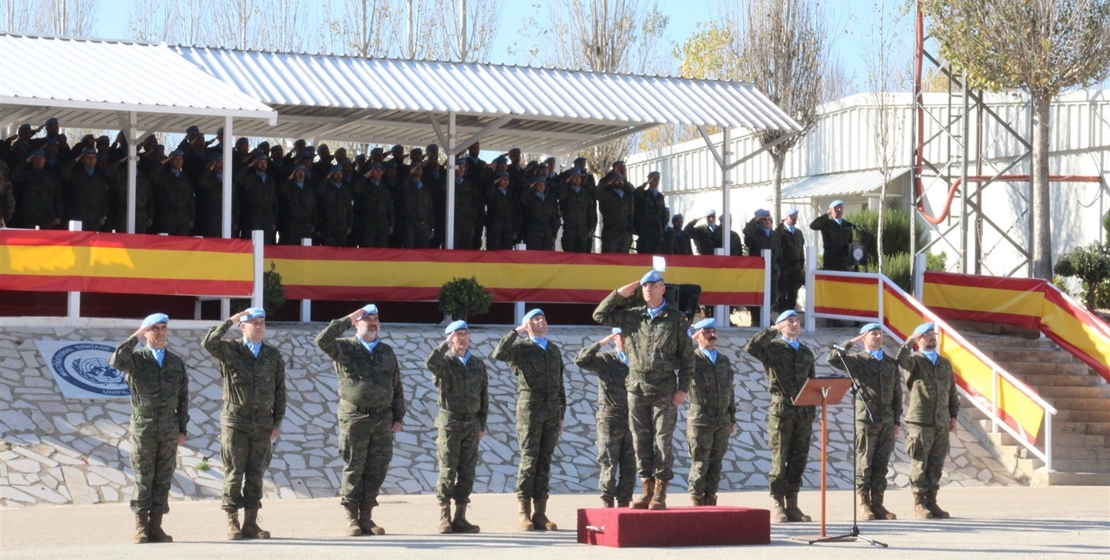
x=674 y=526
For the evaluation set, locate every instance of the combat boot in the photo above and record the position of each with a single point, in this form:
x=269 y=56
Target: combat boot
x=444 y=518
x=525 y=523
x=155 y=532
x=921 y=506
x=142 y=526
x=251 y=530
x=659 y=499
x=778 y=515
x=607 y=501
x=793 y=512
x=865 y=513
x=460 y=524
x=353 y=530
x=234 y=531
x=711 y=500
x=647 y=487
x=367 y=524
x=934 y=508
x=697 y=501
x=624 y=504
x=539 y=517
x=878 y=508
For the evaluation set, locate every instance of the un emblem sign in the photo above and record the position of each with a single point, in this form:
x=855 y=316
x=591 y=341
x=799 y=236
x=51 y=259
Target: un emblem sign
x=81 y=369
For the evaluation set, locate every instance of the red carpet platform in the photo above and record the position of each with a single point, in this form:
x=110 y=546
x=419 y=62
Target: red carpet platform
x=680 y=526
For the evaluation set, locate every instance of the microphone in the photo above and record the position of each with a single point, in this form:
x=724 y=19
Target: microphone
x=837 y=347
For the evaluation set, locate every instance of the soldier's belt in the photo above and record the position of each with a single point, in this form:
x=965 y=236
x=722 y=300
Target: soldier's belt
x=368 y=410
x=149 y=411
x=247 y=411
x=708 y=410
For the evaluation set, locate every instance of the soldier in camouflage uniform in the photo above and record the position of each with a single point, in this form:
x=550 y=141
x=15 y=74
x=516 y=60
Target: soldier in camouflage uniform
x=174 y=197
x=418 y=211
x=657 y=346
x=836 y=237
x=615 y=456
x=539 y=216
x=712 y=416
x=502 y=214
x=296 y=219
x=86 y=191
x=934 y=406
x=538 y=366
x=878 y=413
x=578 y=205
x=374 y=218
x=38 y=193
x=793 y=244
x=463 y=406
x=617 y=204
x=254 y=404
x=371 y=409
x=159 y=388
x=651 y=216
x=789 y=363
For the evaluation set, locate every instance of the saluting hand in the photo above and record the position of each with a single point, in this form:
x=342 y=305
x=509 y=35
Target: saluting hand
x=235 y=318
x=628 y=289
x=354 y=317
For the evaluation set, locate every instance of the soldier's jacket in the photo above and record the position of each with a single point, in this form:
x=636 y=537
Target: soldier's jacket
x=539 y=372
x=463 y=388
x=39 y=196
x=159 y=394
x=371 y=381
x=676 y=242
x=703 y=238
x=837 y=240
x=86 y=197
x=373 y=205
x=336 y=212
x=787 y=371
x=881 y=383
x=757 y=241
x=618 y=213
x=259 y=201
x=417 y=206
x=656 y=348
x=210 y=203
x=793 y=249
x=650 y=214
x=174 y=200
x=712 y=400
x=144 y=199
x=7 y=195
x=254 y=388
x=933 y=396
x=468 y=213
x=539 y=218
x=502 y=211
x=297 y=214
x=612 y=377
x=579 y=209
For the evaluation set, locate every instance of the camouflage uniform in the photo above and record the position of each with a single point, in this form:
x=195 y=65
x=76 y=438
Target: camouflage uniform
x=463 y=407
x=617 y=213
x=651 y=219
x=579 y=211
x=336 y=213
x=419 y=215
x=39 y=198
x=174 y=202
x=837 y=240
x=539 y=409
x=117 y=211
x=296 y=219
x=539 y=218
x=259 y=203
x=373 y=214
x=159 y=413
x=210 y=204
x=254 y=404
x=881 y=389
x=793 y=275
x=86 y=196
x=468 y=214
x=790 y=427
x=502 y=219
x=371 y=399
x=656 y=348
x=709 y=422
x=614 y=439
x=933 y=402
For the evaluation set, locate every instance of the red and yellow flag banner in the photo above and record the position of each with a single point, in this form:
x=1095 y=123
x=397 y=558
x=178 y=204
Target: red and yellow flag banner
x=64 y=261
x=848 y=296
x=538 y=276
x=901 y=314
x=1022 y=302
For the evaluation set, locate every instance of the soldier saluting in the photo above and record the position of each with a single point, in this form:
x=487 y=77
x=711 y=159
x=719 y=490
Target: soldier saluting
x=617 y=479
x=159 y=388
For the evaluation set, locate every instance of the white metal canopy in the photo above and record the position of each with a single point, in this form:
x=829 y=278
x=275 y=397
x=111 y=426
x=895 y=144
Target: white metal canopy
x=838 y=184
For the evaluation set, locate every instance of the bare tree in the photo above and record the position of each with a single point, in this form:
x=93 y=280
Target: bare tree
x=886 y=76
x=71 y=18
x=364 y=28
x=469 y=28
x=1042 y=47
x=18 y=16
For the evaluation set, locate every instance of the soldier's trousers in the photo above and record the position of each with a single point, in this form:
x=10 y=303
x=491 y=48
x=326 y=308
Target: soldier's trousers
x=652 y=421
x=374 y=237
x=615 y=457
x=333 y=238
x=539 y=242
x=499 y=238
x=790 y=438
x=246 y=454
x=457 y=448
x=615 y=242
x=708 y=445
x=874 y=444
x=790 y=281
x=537 y=434
x=366 y=446
x=577 y=241
x=927 y=447
x=649 y=244
x=153 y=460
x=417 y=236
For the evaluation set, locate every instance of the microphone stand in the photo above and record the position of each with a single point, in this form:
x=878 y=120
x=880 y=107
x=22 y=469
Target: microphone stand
x=854 y=533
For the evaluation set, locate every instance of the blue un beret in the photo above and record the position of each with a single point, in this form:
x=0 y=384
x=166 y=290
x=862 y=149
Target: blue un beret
x=88 y=151
x=709 y=323
x=786 y=315
x=761 y=213
x=654 y=175
x=335 y=169
x=370 y=309
x=538 y=179
x=791 y=212
x=836 y=203
x=924 y=328
x=459 y=325
x=579 y=161
x=617 y=330
x=500 y=160
x=870 y=327
x=252 y=314
x=460 y=161
x=533 y=313
x=651 y=276
x=155 y=319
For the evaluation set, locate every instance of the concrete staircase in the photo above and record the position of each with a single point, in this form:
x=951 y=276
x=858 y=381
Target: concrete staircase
x=1081 y=426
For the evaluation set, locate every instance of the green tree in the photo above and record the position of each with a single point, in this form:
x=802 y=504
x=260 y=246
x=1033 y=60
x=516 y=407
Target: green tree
x=1090 y=264
x=464 y=297
x=1042 y=47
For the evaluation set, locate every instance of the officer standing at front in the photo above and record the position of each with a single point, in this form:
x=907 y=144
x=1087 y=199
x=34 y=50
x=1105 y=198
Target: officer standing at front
x=371 y=409
x=254 y=405
x=159 y=388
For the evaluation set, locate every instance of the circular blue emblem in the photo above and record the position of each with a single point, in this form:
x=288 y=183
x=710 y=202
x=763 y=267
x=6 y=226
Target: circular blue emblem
x=85 y=365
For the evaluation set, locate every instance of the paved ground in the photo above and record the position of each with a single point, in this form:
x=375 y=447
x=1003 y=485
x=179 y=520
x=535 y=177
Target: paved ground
x=1053 y=522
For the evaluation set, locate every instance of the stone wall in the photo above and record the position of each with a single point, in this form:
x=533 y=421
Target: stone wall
x=58 y=451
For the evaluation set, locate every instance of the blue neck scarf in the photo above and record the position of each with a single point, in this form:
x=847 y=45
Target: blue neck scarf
x=711 y=354
x=653 y=311
x=623 y=357
x=793 y=343
x=464 y=358
x=932 y=357
x=91 y=170
x=541 y=342
x=877 y=354
x=541 y=196
x=791 y=228
x=369 y=345
x=255 y=347
x=159 y=355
